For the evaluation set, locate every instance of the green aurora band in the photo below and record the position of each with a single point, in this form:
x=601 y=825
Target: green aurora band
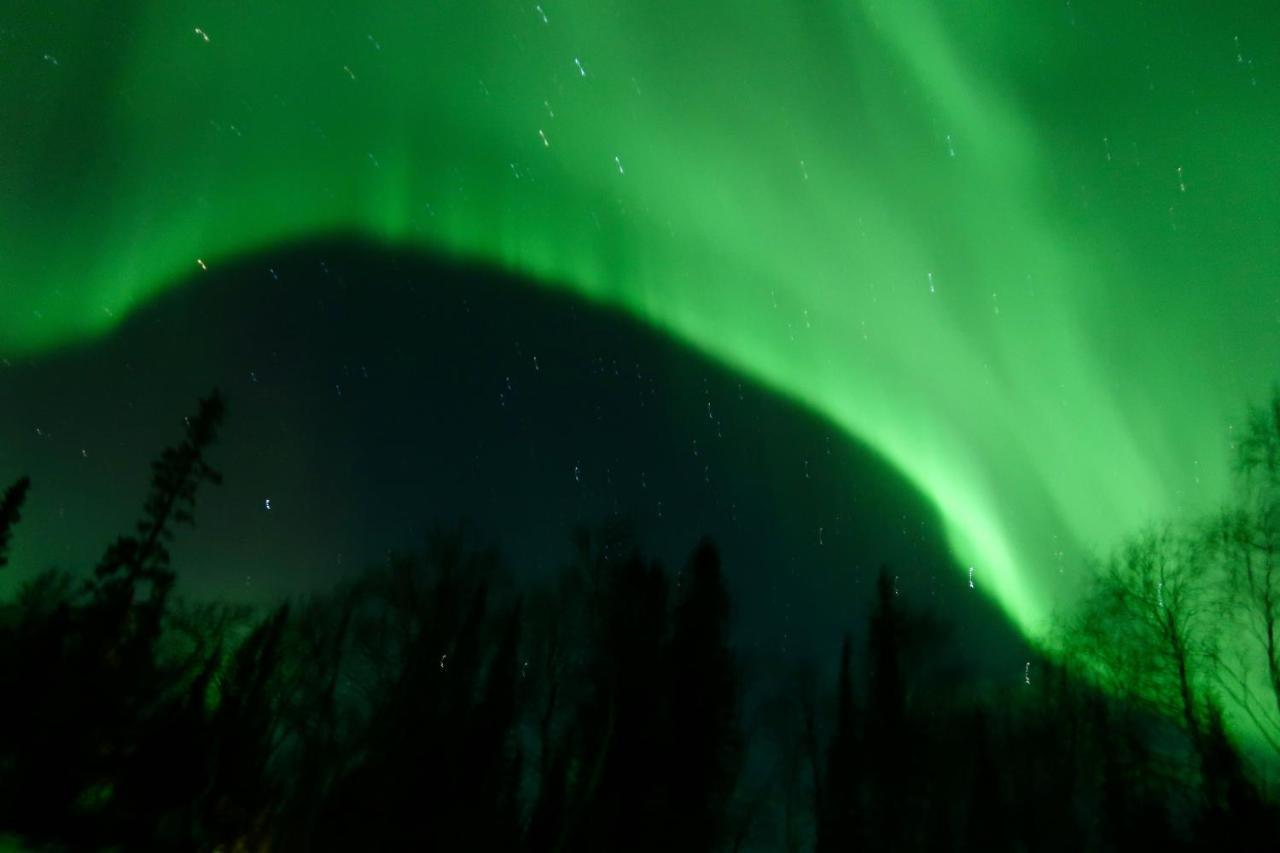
x=1028 y=252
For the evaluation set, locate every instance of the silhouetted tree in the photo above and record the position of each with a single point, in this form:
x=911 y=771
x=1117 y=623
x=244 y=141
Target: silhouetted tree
x=1048 y=758
x=144 y=557
x=1245 y=544
x=987 y=824
x=83 y=670
x=620 y=800
x=1149 y=626
x=556 y=625
x=396 y=712
x=318 y=722
x=1134 y=814
x=1233 y=810
x=10 y=514
x=496 y=758
x=889 y=749
x=237 y=798
x=438 y=764
x=705 y=732
x=785 y=757
x=840 y=808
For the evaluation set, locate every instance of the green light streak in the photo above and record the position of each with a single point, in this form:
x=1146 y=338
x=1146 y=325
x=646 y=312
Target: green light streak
x=957 y=232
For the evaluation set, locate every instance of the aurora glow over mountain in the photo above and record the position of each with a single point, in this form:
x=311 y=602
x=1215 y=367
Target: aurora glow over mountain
x=1028 y=254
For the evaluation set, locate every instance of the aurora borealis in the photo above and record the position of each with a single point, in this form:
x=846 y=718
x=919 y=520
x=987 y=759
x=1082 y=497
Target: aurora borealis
x=1027 y=255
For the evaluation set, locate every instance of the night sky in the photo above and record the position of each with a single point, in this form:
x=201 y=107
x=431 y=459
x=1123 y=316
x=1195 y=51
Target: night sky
x=1025 y=254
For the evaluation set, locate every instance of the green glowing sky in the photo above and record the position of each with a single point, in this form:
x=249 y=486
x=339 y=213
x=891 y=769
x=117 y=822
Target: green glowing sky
x=1026 y=251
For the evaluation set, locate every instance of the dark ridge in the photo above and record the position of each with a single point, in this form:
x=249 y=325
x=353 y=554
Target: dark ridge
x=375 y=393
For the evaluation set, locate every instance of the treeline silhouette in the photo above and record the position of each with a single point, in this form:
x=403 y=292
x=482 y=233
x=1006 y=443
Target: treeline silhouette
x=437 y=703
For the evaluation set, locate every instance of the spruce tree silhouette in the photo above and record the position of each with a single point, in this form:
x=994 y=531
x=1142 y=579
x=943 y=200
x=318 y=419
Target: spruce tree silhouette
x=144 y=557
x=889 y=747
x=10 y=514
x=705 y=734
x=840 y=808
x=83 y=670
x=395 y=712
x=621 y=801
x=986 y=819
